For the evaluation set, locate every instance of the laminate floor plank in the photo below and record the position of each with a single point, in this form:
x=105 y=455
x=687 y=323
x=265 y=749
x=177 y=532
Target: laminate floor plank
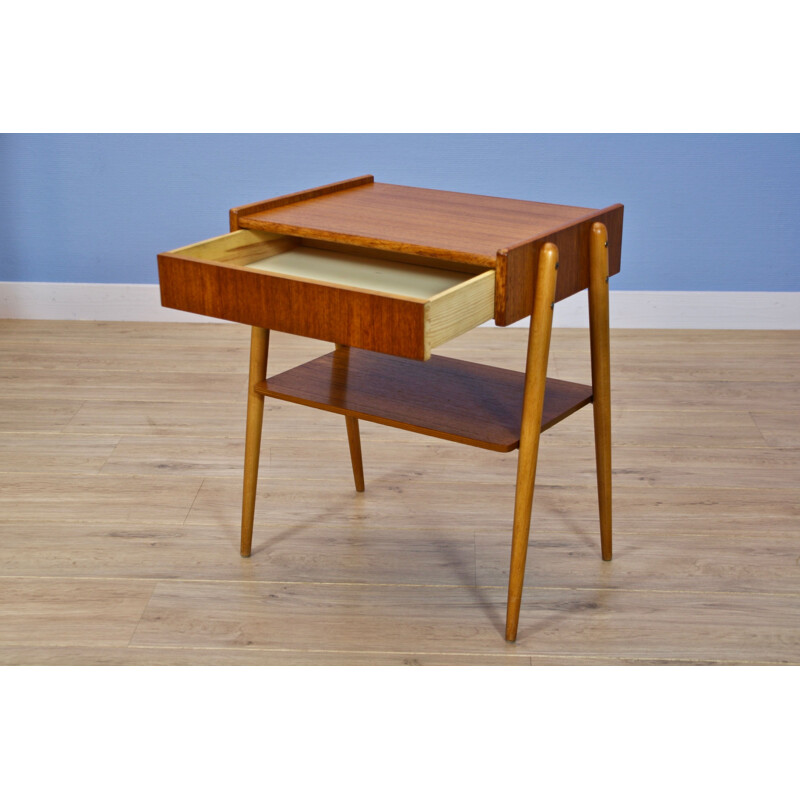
x=757 y=562
x=89 y=333
x=395 y=501
x=157 y=418
x=87 y=498
x=309 y=554
x=630 y=426
x=44 y=612
x=671 y=368
x=596 y=622
x=61 y=453
x=36 y=414
x=250 y=656
x=176 y=455
x=213 y=420
x=659 y=428
x=219 y=656
x=779 y=428
x=428 y=460
x=723 y=395
x=82 y=384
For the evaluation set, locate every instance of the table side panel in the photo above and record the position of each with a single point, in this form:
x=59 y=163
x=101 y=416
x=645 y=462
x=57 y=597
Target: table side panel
x=372 y=322
x=516 y=270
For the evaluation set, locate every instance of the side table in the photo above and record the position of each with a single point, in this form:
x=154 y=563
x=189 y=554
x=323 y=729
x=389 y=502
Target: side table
x=387 y=273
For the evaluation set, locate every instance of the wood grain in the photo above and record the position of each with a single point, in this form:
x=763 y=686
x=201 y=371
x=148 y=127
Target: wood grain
x=239 y=248
x=456 y=400
x=143 y=550
x=501 y=233
x=779 y=428
x=601 y=375
x=295 y=197
x=428 y=222
x=215 y=656
x=42 y=496
x=467 y=620
x=259 y=352
x=517 y=265
x=532 y=422
x=759 y=562
x=333 y=314
x=389 y=306
x=389 y=452
x=28 y=414
x=394 y=500
x=45 y=453
x=70 y=612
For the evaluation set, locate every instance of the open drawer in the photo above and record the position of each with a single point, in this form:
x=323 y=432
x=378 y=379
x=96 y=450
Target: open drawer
x=355 y=298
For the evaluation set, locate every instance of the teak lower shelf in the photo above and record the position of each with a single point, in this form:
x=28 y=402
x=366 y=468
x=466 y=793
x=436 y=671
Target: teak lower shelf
x=457 y=400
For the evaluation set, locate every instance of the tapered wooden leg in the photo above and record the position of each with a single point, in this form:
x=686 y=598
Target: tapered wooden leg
x=601 y=377
x=532 y=405
x=259 y=345
x=353 y=437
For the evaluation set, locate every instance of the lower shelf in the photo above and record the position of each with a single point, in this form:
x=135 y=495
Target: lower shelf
x=470 y=403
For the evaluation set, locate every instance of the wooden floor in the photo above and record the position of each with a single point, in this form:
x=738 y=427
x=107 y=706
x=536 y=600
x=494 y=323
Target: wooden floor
x=121 y=449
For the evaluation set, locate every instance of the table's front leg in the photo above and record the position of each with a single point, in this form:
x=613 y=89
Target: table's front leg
x=259 y=346
x=532 y=405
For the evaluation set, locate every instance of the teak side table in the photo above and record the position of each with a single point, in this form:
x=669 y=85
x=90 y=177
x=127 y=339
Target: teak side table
x=387 y=273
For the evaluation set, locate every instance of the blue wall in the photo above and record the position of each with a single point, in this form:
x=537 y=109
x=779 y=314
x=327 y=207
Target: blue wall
x=702 y=211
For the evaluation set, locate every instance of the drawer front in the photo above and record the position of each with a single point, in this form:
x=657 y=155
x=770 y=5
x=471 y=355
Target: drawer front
x=198 y=279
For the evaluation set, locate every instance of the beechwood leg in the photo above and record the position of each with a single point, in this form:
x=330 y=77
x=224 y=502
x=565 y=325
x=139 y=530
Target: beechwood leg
x=532 y=405
x=601 y=376
x=353 y=436
x=259 y=345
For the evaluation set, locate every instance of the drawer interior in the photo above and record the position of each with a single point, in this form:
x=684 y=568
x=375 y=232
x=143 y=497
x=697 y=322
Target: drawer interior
x=288 y=257
x=358 y=272
x=341 y=295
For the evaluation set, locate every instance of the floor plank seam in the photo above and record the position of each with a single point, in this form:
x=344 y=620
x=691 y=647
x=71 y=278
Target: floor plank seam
x=198 y=473
x=194 y=500
x=452 y=653
x=83 y=403
x=358 y=584
x=144 y=611
x=758 y=427
x=127 y=521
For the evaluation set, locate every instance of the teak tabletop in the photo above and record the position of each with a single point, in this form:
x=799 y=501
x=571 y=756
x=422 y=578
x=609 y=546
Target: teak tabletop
x=429 y=221
x=496 y=232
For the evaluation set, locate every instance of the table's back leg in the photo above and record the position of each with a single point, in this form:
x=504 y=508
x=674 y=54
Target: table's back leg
x=532 y=405
x=259 y=346
x=353 y=434
x=354 y=439
x=601 y=376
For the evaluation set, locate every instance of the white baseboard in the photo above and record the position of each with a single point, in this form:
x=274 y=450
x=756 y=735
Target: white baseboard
x=689 y=310
x=119 y=302
x=692 y=310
